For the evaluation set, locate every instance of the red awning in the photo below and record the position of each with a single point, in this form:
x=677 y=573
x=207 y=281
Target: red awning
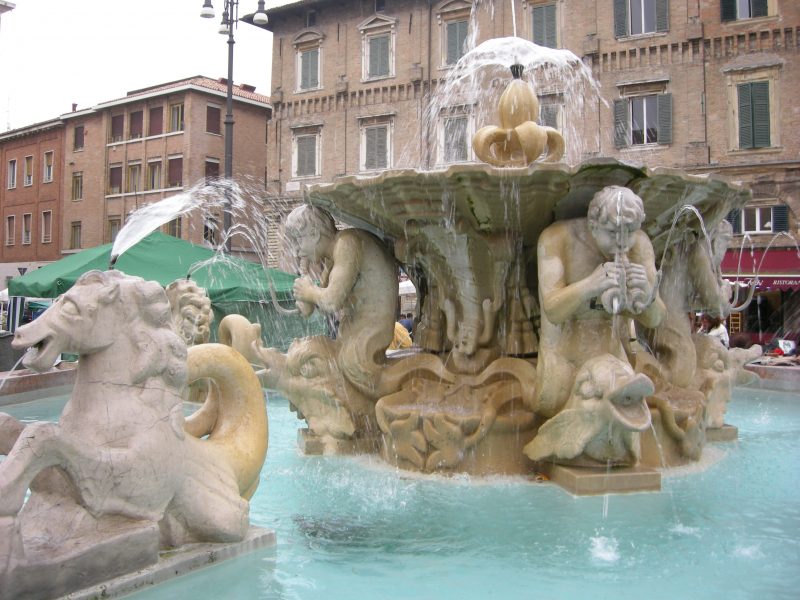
x=779 y=268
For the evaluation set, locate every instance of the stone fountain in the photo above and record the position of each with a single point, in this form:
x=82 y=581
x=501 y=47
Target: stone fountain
x=551 y=332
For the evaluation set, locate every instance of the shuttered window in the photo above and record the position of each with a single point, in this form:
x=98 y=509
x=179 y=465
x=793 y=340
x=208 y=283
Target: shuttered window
x=306 y=155
x=456 y=140
x=548 y=114
x=115 y=180
x=731 y=10
x=643 y=120
x=136 y=125
x=376 y=140
x=156 y=121
x=378 y=65
x=175 y=171
x=309 y=69
x=753 y=103
x=117 y=128
x=77 y=142
x=456 y=32
x=212 y=119
x=636 y=17
x=544 y=25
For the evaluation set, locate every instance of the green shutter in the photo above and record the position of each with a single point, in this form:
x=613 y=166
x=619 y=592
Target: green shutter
x=728 y=8
x=735 y=219
x=544 y=25
x=376 y=156
x=760 y=98
x=382 y=154
x=309 y=69
x=664 y=118
x=378 y=56
x=662 y=15
x=548 y=115
x=620 y=18
x=745 y=115
x=759 y=8
x=621 y=134
x=780 y=218
x=456 y=37
x=306 y=155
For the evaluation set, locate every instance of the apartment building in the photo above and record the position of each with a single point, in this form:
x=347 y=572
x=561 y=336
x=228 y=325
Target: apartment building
x=708 y=87
x=30 y=197
x=70 y=183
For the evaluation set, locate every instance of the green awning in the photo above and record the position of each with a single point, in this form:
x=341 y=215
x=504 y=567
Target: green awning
x=162 y=258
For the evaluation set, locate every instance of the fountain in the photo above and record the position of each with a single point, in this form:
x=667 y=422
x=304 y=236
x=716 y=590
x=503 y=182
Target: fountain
x=551 y=340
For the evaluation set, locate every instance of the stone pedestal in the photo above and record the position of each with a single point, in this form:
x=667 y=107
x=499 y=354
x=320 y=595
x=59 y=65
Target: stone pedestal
x=726 y=433
x=585 y=481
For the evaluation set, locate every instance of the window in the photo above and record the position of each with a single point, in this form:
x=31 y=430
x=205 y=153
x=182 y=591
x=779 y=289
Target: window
x=117 y=128
x=308 y=69
x=75 y=235
x=378 y=56
x=28 y=175
x=112 y=229
x=27 y=223
x=311 y=18
x=77 y=137
x=77 y=186
x=550 y=110
x=47 y=226
x=753 y=112
x=210 y=229
x=155 y=122
x=760 y=219
x=136 y=125
x=11 y=227
x=175 y=227
x=733 y=10
x=176 y=117
x=134 y=183
x=544 y=25
x=115 y=179
x=12 y=174
x=380 y=5
x=305 y=157
x=154 y=175
x=376 y=141
x=47 y=168
x=643 y=120
x=175 y=171
x=637 y=17
x=212 y=169
x=213 y=114
x=454 y=139
x=456 y=41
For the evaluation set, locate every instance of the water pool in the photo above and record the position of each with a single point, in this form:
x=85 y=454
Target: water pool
x=355 y=528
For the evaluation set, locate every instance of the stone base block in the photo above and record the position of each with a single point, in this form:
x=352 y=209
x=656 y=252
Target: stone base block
x=174 y=563
x=726 y=433
x=311 y=444
x=587 y=481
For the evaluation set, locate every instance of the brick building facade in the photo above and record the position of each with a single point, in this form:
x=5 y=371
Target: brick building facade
x=106 y=161
x=708 y=87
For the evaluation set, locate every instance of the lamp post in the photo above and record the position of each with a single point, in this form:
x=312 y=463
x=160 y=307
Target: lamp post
x=230 y=17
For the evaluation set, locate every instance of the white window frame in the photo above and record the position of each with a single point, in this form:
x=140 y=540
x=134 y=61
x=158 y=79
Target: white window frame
x=306 y=41
x=377 y=25
x=12 y=174
x=27 y=221
x=48 y=166
x=47 y=227
x=177 y=108
x=449 y=12
x=27 y=180
x=441 y=137
x=366 y=124
x=129 y=179
x=759 y=228
x=160 y=163
x=11 y=230
x=76 y=176
x=302 y=132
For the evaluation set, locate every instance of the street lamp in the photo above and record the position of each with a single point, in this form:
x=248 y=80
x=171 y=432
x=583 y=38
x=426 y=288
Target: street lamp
x=230 y=17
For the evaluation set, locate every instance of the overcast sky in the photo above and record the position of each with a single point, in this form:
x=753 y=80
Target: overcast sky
x=56 y=52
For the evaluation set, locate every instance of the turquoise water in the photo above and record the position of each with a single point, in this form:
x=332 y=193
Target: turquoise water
x=354 y=528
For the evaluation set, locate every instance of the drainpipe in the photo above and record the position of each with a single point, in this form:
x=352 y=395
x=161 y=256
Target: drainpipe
x=427 y=100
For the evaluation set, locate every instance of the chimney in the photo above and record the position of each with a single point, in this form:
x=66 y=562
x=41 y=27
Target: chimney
x=248 y=88
x=74 y=106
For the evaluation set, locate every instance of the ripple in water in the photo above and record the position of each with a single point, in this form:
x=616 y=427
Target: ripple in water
x=604 y=549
